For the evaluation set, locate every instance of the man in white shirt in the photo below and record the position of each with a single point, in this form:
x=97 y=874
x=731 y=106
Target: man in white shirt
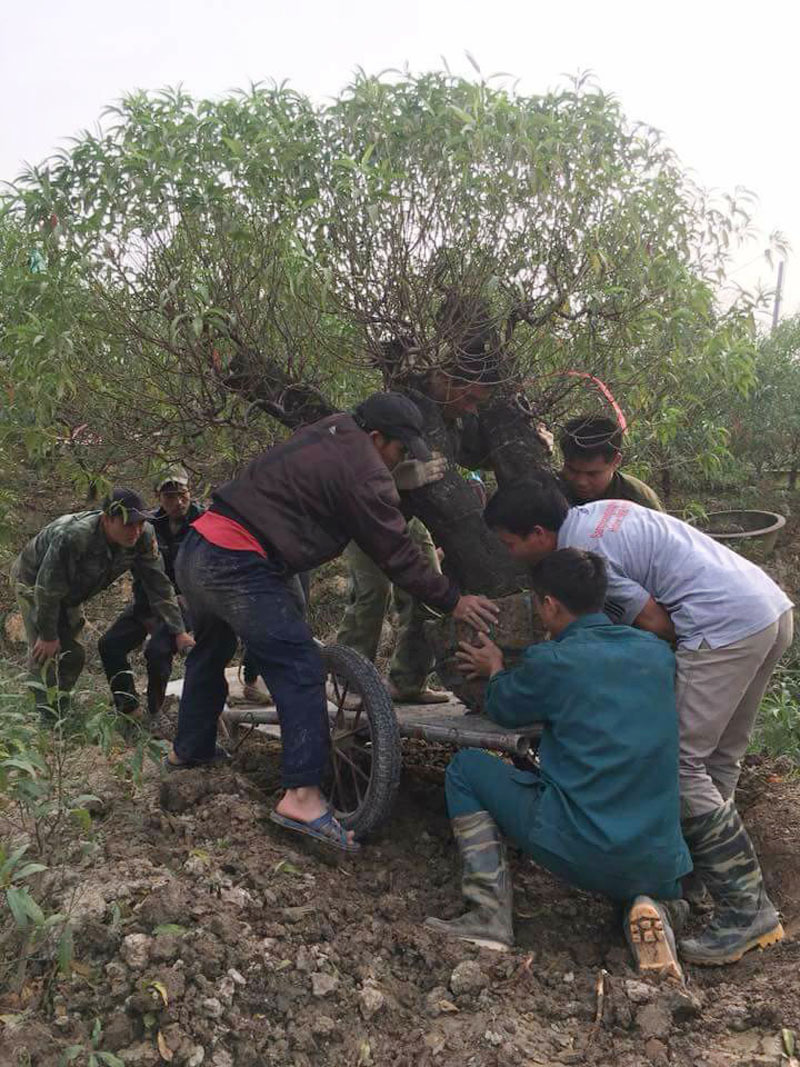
x=731 y=623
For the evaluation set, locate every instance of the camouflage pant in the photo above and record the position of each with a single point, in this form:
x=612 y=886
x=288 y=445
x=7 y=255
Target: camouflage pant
x=60 y=674
x=370 y=592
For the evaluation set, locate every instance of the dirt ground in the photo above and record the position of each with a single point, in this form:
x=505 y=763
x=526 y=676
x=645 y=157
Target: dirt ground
x=203 y=934
x=206 y=935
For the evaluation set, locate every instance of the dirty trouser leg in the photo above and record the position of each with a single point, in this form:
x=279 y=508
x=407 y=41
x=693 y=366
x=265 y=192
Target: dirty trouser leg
x=477 y=781
x=126 y=633
x=412 y=661
x=717 y=693
x=724 y=764
x=159 y=654
x=368 y=596
x=240 y=594
x=52 y=683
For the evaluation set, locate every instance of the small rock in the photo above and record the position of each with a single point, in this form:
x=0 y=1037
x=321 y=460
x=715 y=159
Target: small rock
x=323 y=984
x=297 y=914
x=168 y=903
x=304 y=961
x=117 y=1031
x=322 y=1025
x=370 y=1000
x=639 y=992
x=164 y=947
x=682 y=1004
x=144 y=1054
x=467 y=977
x=434 y=1000
x=656 y=1051
x=196 y=1056
x=222 y=1058
x=236 y=895
x=212 y=1008
x=135 y=950
x=493 y=1038
x=654 y=1021
x=225 y=989
x=238 y=979
x=117 y=975
x=568 y=977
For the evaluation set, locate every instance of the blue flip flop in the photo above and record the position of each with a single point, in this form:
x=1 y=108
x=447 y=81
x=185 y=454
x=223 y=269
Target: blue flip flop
x=326 y=829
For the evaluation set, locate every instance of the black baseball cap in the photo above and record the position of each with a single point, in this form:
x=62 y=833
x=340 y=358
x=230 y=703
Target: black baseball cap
x=396 y=417
x=126 y=503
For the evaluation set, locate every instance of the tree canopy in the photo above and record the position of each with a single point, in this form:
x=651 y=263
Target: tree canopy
x=189 y=250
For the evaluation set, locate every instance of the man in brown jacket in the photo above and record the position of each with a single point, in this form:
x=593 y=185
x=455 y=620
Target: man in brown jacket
x=293 y=508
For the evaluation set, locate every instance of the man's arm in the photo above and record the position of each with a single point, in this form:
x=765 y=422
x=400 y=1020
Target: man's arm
x=148 y=568
x=520 y=695
x=50 y=589
x=654 y=618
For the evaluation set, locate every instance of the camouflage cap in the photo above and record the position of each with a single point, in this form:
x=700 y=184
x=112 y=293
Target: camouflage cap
x=172 y=476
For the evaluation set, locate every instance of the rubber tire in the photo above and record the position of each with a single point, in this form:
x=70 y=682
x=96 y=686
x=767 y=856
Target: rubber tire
x=384 y=781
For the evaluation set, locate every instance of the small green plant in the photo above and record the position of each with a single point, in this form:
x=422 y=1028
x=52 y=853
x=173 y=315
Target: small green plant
x=93 y=1055
x=777 y=730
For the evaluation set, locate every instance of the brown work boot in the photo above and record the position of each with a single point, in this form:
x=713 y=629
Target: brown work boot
x=649 y=934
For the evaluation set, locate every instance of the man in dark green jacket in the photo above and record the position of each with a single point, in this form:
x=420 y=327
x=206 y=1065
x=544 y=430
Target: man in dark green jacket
x=591 y=447
x=602 y=810
x=138 y=621
x=68 y=562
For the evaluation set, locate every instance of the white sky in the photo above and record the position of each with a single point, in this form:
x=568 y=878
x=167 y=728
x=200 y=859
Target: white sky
x=719 y=77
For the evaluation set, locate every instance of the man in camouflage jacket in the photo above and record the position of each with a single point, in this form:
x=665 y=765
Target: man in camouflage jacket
x=68 y=562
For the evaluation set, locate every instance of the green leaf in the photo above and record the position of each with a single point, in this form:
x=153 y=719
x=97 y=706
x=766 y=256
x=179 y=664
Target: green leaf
x=28 y=870
x=66 y=950
x=170 y=928
x=16 y=900
x=83 y=818
x=110 y=1059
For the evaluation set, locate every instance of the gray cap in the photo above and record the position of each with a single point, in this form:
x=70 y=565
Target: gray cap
x=176 y=476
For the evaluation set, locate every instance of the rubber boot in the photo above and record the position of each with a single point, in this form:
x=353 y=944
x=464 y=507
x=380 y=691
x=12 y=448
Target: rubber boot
x=485 y=885
x=649 y=933
x=744 y=916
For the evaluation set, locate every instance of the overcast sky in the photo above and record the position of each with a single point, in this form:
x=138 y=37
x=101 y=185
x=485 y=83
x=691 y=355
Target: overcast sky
x=719 y=78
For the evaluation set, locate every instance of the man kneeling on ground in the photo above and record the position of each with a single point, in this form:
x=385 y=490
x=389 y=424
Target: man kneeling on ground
x=602 y=811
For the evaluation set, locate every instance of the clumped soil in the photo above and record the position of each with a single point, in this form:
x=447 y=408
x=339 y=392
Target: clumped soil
x=205 y=934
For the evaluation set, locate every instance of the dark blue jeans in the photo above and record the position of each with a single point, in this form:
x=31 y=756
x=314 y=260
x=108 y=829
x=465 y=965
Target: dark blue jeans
x=230 y=595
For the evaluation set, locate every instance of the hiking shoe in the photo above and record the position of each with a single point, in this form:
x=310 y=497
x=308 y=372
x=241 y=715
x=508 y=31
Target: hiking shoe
x=648 y=932
x=730 y=934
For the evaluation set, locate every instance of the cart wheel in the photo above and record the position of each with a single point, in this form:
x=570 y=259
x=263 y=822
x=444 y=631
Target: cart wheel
x=365 y=741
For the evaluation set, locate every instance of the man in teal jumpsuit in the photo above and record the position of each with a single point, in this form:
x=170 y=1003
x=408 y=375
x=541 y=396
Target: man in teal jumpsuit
x=602 y=810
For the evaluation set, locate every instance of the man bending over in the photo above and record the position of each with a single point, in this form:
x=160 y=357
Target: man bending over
x=731 y=624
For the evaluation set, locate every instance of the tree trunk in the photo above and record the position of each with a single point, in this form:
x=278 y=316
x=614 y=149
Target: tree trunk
x=450 y=508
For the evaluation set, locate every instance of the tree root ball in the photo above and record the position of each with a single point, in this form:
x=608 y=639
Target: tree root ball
x=517 y=627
